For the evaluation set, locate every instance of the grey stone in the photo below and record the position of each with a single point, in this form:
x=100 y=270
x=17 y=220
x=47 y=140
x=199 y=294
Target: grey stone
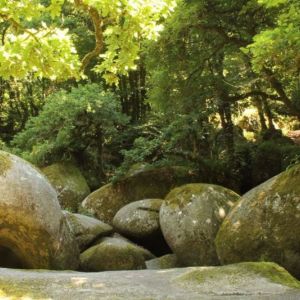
x=265 y=224
x=33 y=230
x=87 y=229
x=241 y=281
x=113 y=253
x=190 y=218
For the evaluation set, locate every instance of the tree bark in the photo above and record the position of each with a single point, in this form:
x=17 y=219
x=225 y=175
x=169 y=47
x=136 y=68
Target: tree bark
x=97 y=23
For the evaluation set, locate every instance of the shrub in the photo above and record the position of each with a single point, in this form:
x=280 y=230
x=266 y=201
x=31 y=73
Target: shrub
x=76 y=125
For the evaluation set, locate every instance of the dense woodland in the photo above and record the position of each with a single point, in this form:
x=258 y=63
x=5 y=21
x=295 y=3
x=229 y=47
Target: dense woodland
x=148 y=137
x=213 y=86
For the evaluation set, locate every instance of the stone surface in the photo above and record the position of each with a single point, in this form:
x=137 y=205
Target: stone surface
x=147 y=254
x=139 y=219
x=190 y=218
x=87 y=229
x=265 y=224
x=167 y=261
x=105 y=202
x=69 y=183
x=33 y=230
x=245 y=281
x=114 y=254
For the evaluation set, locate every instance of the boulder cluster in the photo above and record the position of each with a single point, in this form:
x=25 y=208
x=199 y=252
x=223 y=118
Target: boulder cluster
x=155 y=219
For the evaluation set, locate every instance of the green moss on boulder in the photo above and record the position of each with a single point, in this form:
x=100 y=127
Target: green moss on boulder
x=265 y=224
x=86 y=229
x=69 y=183
x=190 y=218
x=33 y=230
x=236 y=274
x=139 y=219
x=228 y=282
x=168 y=261
x=113 y=254
x=5 y=162
x=153 y=183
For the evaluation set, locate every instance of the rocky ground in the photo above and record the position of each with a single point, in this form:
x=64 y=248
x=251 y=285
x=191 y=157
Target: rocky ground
x=240 y=281
x=145 y=240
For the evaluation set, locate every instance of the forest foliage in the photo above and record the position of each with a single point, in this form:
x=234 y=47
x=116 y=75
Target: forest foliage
x=212 y=85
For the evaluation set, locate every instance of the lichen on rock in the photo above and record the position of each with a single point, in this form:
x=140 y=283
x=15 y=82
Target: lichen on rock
x=265 y=224
x=190 y=218
x=236 y=273
x=168 y=261
x=33 y=230
x=105 y=202
x=5 y=162
x=139 y=219
x=113 y=254
x=69 y=183
x=86 y=229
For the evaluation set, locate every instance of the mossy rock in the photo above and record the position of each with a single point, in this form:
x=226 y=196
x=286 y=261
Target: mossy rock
x=33 y=230
x=265 y=224
x=236 y=276
x=259 y=281
x=113 y=254
x=145 y=252
x=168 y=261
x=5 y=163
x=138 y=219
x=136 y=169
x=153 y=183
x=69 y=183
x=190 y=218
x=87 y=229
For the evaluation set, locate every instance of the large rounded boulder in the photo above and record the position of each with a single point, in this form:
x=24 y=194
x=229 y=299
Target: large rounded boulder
x=265 y=224
x=190 y=218
x=69 y=183
x=105 y=202
x=139 y=221
x=33 y=230
x=168 y=261
x=86 y=229
x=112 y=253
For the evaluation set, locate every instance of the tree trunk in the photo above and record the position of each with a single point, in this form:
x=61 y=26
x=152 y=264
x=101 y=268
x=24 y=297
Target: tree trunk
x=259 y=105
x=268 y=113
x=99 y=141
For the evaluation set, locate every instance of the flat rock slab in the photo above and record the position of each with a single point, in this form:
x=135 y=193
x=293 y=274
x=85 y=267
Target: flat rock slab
x=182 y=283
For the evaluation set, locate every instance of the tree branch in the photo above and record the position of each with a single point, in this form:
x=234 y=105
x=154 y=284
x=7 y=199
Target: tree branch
x=3 y=35
x=252 y=94
x=277 y=86
x=18 y=25
x=97 y=23
x=201 y=67
x=221 y=32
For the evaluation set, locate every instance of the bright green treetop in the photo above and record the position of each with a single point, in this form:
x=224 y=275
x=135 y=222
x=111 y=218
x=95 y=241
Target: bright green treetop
x=278 y=48
x=31 y=45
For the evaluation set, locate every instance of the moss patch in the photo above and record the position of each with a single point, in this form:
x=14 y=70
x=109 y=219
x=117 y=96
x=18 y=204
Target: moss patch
x=148 y=184
x=13 y=291
x=5 y=162
x=139 y=219
x=256 y=229
x=113 y=254
x=181 y=196
x=68 y=181
x=271 y=271
x=168 y=261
